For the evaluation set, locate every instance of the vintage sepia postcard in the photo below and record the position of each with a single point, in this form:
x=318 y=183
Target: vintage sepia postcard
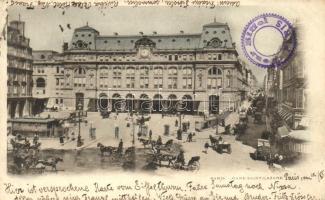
x=162 y=99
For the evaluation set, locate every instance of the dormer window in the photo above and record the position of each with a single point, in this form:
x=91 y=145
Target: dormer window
x=89 y=42
x=105 y=41
x=89 y=35
x=118 y=41
x=204 y=41
x=132 y=41
x=223 y=32
x=42 y=56
x=82 y=35
x=206 y=32
x=214 y=32
x=76 y=35
x=188 y=40
x=173 y=40
x=159 y=40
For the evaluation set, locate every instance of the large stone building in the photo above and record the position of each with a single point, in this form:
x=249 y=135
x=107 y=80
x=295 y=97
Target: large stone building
x=199 y=72
x=19 y=70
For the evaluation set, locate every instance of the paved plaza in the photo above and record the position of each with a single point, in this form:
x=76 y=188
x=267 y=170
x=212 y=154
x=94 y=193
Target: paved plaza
x=238 y=159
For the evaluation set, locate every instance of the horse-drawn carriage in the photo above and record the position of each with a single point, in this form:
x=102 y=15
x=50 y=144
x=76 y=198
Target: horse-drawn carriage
x=263 y=150
x=26 y=158
x=192 y=165
x=219 y=145
x=176 y=161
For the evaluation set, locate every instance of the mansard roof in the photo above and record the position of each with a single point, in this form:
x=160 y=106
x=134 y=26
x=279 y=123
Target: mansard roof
x=128 y=42
x=211 y=33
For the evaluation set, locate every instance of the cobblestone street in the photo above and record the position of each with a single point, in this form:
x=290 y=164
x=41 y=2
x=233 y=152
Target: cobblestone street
x=238 y=159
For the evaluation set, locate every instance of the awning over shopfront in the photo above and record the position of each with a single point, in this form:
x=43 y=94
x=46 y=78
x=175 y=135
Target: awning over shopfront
x=50 y=103
x=283 y=131
x=285 y=115
x=301 y=135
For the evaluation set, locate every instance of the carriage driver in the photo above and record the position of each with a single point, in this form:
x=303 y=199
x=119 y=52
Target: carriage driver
x=159 y=141
x=120 y=147
x=220 y=140
x=180 y=158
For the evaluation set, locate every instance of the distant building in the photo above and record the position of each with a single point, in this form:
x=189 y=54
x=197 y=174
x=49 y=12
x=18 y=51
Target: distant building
x=19 y=70
x=48 y=77
x=197 y=72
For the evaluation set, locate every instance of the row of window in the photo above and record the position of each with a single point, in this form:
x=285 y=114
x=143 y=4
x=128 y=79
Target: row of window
x=212 y=82
x=295 y=97
x=22 y=89
x=19 y=64
x=170 y=57
x=143 y=71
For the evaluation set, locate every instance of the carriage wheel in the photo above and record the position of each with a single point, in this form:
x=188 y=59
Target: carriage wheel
x=194 y=166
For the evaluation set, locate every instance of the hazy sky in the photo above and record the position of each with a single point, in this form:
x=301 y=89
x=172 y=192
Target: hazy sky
x=42 y=26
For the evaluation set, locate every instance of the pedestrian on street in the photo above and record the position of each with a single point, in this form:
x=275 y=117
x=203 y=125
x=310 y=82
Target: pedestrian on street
x=189 y=137
x=35 y=139
x=176 y=123
x=61 y=139
x=150 y=135
x=181 y=158
x=120 y=147
x=206 y=146
x=116 y=132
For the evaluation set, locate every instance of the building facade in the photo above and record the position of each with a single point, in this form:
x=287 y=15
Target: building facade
x=287 y=87
x=48 y=78
x=195 y=73
x=19 y=70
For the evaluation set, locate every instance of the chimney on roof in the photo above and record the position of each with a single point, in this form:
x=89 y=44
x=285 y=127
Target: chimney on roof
x=154 y=32
x=182 y=32
x=115 y=33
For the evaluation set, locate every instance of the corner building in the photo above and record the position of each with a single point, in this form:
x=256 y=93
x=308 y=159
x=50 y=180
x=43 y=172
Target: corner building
x=19 y=71
x=199 y=73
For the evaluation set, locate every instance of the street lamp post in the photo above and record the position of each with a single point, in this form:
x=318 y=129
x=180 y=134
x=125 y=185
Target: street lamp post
x=179 y=132
x=133 y=130
x=79 y=143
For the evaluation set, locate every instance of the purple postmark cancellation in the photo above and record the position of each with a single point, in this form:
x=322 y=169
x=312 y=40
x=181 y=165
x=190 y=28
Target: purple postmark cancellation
x=268 y=40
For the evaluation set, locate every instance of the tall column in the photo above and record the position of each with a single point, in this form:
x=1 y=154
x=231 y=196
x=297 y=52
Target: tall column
x=26 y=108
x=17 y=109
x=9 y=109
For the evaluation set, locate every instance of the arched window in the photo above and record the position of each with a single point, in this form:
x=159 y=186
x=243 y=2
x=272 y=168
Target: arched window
x=80 y=71
x=158 y=77
x=40 y=82
x=214 y=78
x=130 y=79
x=187 y=78
x=172 y=78
x=144 y=77
x=215 y=71
x=117 y=73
